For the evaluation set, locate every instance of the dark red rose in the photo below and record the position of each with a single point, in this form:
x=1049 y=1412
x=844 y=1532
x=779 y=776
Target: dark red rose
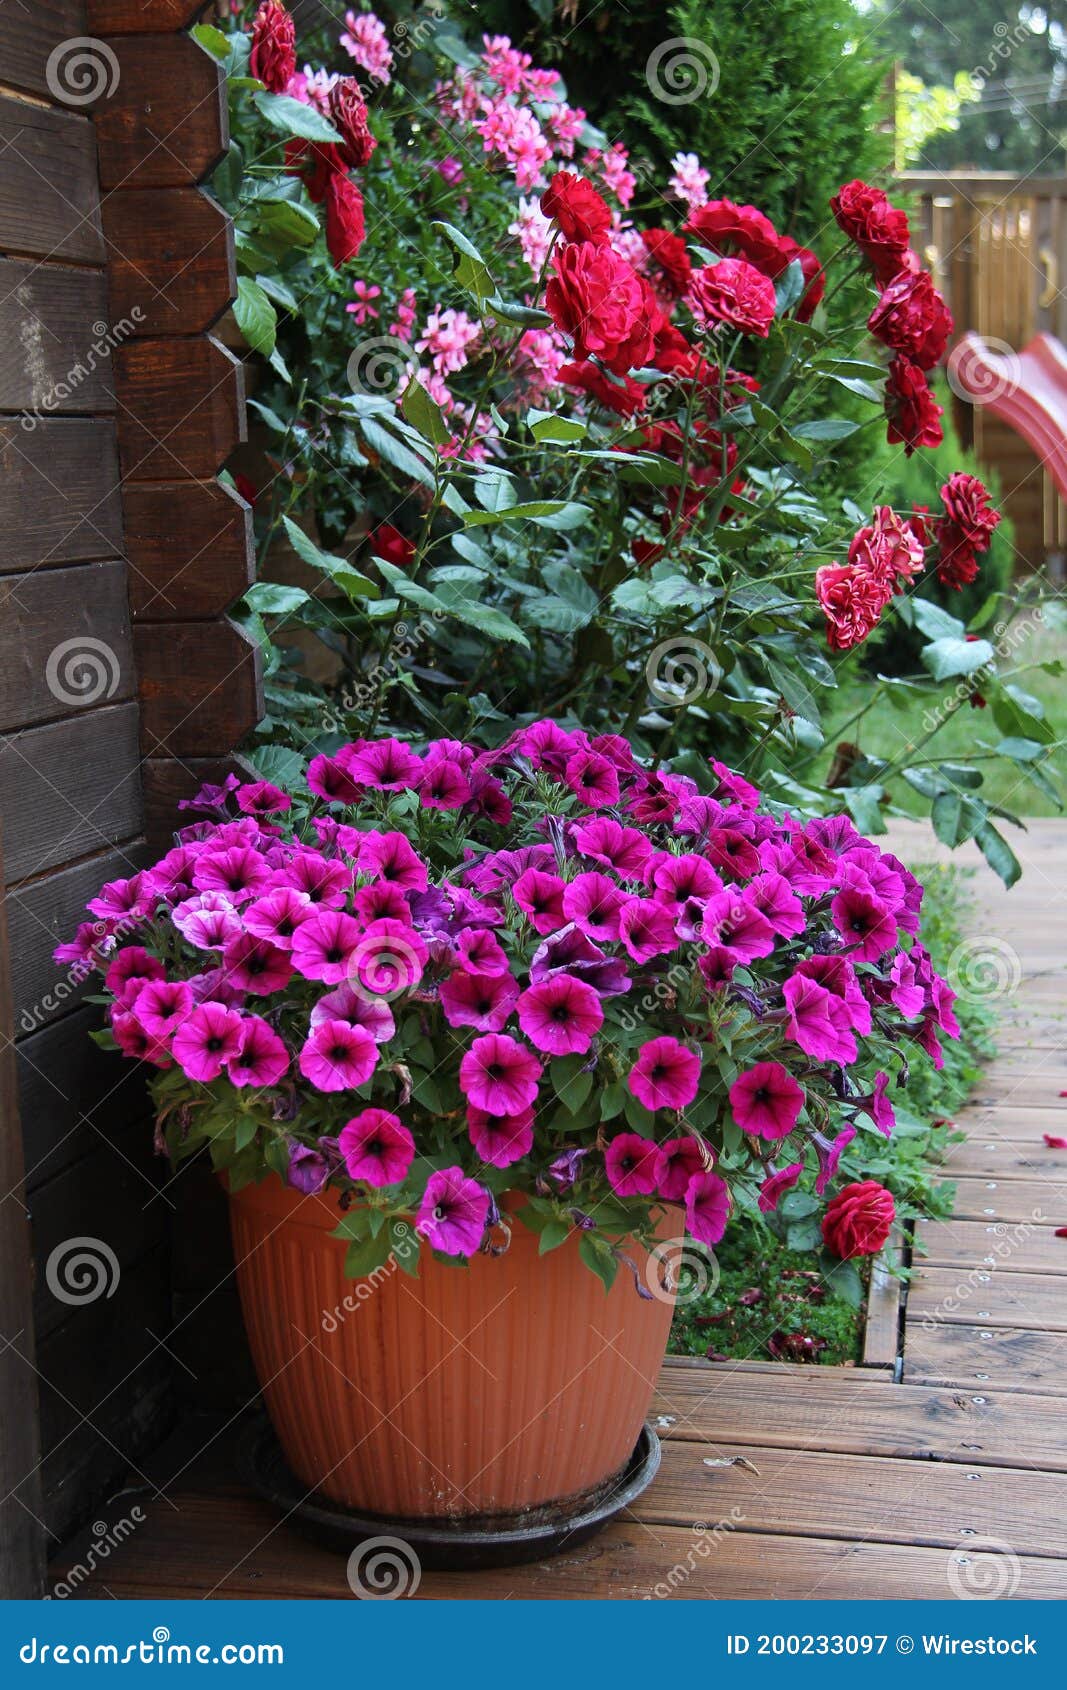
x=645 y=552
x=670 y=349
x=577 y=207
x=911 y=317
x=273 y=55
x=966 y=502
x=735 y=292
x=957 y=560
x=247 y=489
x=813 y=273
x=387 y=542
x=852 y=601
x=625 y=397
x=671 y=257
x=348 y=114
x=740 y=230
x=879 y=229
x=919 y=523
x=317 y=162
x=345 y=228
x=913 y=414
x=601 y=302
x=858 y=1220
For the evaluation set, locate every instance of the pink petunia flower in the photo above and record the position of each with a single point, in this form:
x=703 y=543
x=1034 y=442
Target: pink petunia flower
x=776 y=901
x=377 y=1148
x=560 y=1016
x=864 y=922
x=818 y=1021
x=666 y=1075
x=540 y=896
x=325 y=882
x=277 y=916
x=501 y=1139
x=776 y=1185
x=592 y=779
x=345 y=1003
x=206 y=1041
x=255 y=965
x=646 y=929
x=630 y=1164
x=323 y=947
x=262 y=798
x=499 y=1075
x=707 y=1207
x=239 y=872
x=387 y=765
x=388 y=958
x=207 y=920
x=607 y=842
x=262 y=1059
x=389 y=856
x=338 y=1057
x=593 y=903
x=766 y=1100
x=733 y=921
x=675 y=880
x=162 y=1005
x=130 y=970
x=676 y=1163
x=484 y=1001
x=480 y=952
x=453 y=1213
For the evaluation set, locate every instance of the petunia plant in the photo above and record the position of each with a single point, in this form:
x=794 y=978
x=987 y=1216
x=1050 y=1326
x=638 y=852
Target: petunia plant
x=547 y=428
x=543 y=985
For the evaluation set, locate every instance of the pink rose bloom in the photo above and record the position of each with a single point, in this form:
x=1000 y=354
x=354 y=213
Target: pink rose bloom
x=666 y=1075
x=377 y=1148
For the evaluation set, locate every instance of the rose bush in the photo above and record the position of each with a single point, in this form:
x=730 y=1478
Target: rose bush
x=579 y=404
x=427 y=979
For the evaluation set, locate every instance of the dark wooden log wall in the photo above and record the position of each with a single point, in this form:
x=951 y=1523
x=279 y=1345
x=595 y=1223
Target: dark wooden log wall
x=122 y=684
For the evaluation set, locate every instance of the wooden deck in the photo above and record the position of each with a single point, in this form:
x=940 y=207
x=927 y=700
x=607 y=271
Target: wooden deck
x=946 y=1474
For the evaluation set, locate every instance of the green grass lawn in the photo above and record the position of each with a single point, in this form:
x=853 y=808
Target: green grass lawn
x=892 y=725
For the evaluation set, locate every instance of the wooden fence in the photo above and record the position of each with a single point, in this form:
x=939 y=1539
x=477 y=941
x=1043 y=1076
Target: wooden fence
x=122 y=683
x=997 y=246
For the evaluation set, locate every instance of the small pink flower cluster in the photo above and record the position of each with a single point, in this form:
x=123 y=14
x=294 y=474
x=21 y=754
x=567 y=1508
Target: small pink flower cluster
x=434 y=976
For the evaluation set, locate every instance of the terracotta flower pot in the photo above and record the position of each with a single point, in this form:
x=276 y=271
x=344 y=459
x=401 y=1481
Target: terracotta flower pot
x=489 y=1389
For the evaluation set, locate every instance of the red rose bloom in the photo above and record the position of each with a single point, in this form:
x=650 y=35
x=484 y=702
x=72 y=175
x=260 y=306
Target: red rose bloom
x=273 y=55
x=911 y=317
x=577 y=207
x=966 y=502
x=733 y=291
x=624 y=397
x=348 y=114
x=601 y=302
x=813 y=273
x=645 y=552
x=345 y=229
x=858 y=1220
x=888 y=550
x=387 y=542
x=914 y=416
x=317 y=162
x=668 y=252
x=741 y=230
x=957 y=561
x=852 y=601
x=879 y=229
